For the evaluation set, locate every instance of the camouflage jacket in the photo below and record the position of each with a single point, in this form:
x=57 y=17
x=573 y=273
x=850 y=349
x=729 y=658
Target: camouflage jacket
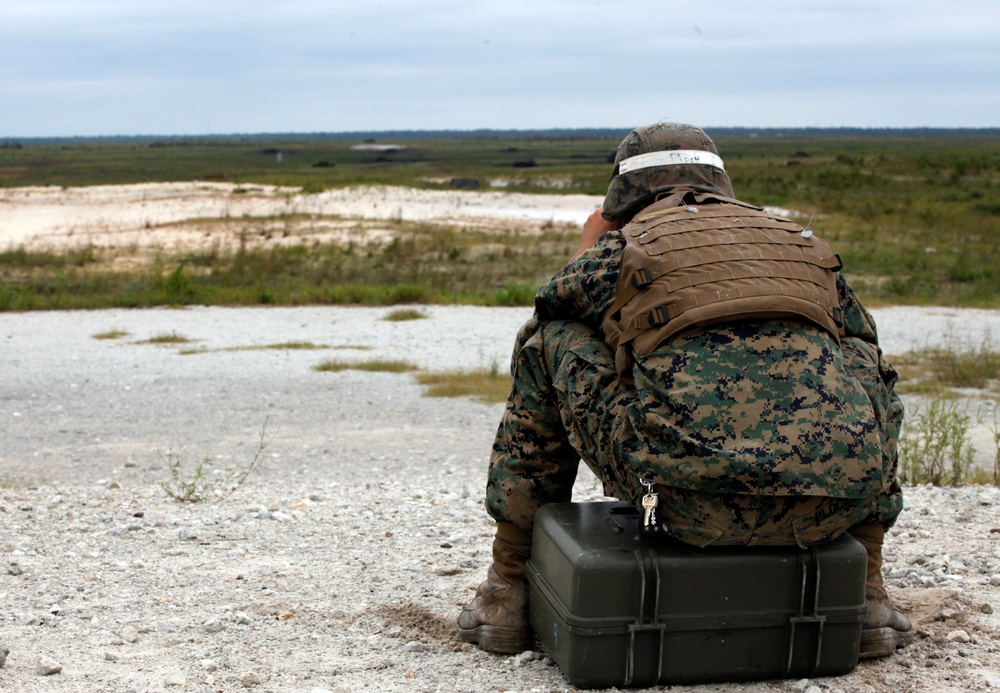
x=752 y=407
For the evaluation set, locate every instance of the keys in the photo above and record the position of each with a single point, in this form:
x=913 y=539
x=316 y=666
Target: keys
x=649 y=502
x=650 y=525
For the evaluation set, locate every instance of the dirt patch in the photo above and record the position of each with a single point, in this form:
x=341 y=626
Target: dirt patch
x=417 y=622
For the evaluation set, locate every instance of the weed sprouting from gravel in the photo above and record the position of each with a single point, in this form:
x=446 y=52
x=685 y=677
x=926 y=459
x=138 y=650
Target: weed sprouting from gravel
x=995 y=430
x=167 y=338
x=938 y=371
x=203 y=481
x=280 y=346
x=285 y=346
x=490 y=386
x=404 y=314
x=375 y=366
x=111 y=334
x=935 y=446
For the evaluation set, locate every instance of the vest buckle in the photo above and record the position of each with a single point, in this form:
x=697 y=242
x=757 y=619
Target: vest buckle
x=642 y=277
x=659 y=316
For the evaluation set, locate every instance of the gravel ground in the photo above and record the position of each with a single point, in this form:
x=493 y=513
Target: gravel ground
x=342 y=564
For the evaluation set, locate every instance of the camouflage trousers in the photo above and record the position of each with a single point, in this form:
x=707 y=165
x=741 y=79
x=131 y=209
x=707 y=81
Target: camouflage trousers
x=567 y=404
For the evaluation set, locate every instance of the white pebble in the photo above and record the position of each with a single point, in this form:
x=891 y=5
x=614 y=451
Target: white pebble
x=251 y=679
x=213 y=625
x=175 y=678
x=46 y=666
x=959 y=636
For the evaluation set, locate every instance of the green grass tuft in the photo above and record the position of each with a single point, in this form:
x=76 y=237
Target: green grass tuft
x=376 y=365
x=111 y=334
x=405 y=314
x=166 y=339
x=485 y=386
x=940 y=372
x=280 y=346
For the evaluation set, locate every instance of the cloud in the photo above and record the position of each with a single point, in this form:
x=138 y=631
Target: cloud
x=170 y=66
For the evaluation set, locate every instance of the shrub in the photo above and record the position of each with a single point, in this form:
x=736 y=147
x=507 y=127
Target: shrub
x=935 y=447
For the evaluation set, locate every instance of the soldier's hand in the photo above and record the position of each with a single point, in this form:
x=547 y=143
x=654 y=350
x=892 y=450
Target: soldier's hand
x=595 y=227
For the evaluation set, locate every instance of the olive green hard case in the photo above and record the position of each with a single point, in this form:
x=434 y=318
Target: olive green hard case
x=613 y=609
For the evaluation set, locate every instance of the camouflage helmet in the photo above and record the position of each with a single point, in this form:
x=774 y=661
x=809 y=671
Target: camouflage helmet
x=657 y=158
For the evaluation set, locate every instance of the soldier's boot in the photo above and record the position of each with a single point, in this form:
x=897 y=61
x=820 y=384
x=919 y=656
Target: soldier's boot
x=885 y=629
x=497 y=617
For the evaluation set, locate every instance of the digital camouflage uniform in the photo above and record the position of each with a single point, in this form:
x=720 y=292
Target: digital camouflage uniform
x=752 y=431
x=683 y=420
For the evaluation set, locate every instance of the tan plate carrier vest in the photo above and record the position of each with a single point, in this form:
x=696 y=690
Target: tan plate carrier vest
x=693 y=260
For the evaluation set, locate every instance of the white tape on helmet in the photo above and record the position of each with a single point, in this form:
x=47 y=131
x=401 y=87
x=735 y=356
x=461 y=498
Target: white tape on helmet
x=673 y=157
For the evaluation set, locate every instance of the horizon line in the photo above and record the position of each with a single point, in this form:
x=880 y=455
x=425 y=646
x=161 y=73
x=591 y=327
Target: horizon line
x=6 y=140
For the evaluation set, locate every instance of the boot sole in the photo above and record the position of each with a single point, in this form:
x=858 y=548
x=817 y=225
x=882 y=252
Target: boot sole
x=498 y=639
x=882 y=642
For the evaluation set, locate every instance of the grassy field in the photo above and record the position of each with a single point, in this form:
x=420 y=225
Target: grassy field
x=915 y=218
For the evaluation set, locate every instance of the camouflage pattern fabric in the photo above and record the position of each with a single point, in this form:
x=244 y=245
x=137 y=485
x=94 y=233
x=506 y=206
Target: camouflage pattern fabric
x=631 y=191
x=753 y=432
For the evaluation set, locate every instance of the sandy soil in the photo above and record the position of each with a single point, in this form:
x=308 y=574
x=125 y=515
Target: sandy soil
x=342 y=564
x=196 y=215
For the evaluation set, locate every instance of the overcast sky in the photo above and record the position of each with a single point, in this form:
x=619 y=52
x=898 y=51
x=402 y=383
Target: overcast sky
x=176 y=67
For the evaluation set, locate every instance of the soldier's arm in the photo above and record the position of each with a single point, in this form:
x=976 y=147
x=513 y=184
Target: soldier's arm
x=584 y=288
x=595 y=227
x=858 y=322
